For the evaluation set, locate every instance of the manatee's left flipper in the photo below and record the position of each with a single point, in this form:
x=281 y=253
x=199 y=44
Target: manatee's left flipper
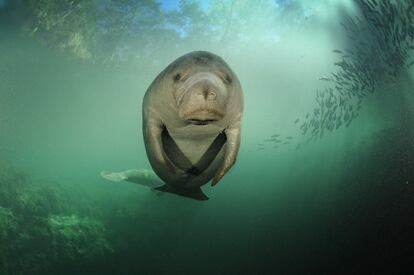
x=232 y=148
x=140 y=176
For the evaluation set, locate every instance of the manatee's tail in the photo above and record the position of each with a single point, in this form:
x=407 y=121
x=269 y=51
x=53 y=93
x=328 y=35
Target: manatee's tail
x=150 y=179
x=194 y=193
x=140 y=176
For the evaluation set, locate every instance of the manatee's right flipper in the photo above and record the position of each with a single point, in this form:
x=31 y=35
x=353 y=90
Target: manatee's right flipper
x=195 y=193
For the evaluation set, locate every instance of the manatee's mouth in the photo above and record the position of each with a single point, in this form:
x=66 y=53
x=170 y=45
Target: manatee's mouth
x=197 y=121
x=202 y=116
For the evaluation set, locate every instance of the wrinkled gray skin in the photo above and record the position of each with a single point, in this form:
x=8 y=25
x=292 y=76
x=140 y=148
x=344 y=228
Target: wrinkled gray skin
x=195 y=98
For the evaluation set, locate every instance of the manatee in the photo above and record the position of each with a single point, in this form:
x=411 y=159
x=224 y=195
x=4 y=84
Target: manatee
x=192 y=115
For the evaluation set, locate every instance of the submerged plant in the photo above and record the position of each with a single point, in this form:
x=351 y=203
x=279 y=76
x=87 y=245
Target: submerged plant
x=42 y=230
x=7 y=223
x=74 y=237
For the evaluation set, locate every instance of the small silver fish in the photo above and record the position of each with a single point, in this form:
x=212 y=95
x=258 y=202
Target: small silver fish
x=324 y=78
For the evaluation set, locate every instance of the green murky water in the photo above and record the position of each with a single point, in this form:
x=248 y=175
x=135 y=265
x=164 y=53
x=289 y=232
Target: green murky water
x=335 y=198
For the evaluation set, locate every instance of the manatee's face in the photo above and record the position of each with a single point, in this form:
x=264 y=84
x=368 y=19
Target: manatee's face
x=201 y=93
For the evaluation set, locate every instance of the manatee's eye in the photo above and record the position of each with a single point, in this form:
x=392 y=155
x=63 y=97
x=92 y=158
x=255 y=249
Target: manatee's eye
x=177 y=76
x=228 y=79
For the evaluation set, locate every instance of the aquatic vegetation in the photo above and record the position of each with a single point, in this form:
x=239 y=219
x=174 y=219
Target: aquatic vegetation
x=7 y=228
x=74 y=237
x=43 y=227
x=7 y=223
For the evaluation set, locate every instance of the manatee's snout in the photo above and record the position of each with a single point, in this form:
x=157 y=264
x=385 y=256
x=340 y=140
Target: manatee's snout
x=203 y=100
x=205 y=91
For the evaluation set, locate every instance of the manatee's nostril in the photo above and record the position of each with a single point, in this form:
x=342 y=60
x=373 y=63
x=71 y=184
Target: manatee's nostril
x=205 y=94
x=209 y=94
